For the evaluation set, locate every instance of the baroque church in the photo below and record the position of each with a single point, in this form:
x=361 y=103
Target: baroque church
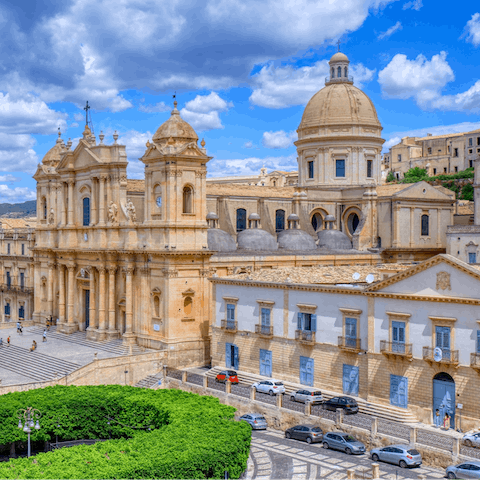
x=131 y=259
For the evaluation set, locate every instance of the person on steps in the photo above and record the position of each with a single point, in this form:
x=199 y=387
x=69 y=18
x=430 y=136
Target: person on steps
x=45 y=335
x=32 y=348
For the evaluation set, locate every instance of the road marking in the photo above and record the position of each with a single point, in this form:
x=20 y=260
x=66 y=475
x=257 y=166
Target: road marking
x=313 y=472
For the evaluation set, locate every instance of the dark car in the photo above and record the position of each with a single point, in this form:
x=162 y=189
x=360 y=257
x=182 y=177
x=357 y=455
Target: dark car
x=225 y=375
x=307 y=433
x=348 y=404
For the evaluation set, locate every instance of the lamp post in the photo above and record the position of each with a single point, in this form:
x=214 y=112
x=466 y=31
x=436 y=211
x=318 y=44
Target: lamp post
x=29 y=415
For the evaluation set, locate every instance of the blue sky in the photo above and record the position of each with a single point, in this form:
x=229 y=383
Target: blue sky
x=243 y=72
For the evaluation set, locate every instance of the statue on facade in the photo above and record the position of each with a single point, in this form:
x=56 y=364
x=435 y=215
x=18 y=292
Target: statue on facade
x=131 y=211
x=51 y=216
x=112 y=212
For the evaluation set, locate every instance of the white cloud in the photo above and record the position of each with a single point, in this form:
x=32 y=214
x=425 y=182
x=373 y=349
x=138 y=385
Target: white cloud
x=9 y=178
x=278 y=139
x=390 y=31
x=73 y=125
x=248 y=145
x=465 y=101
x=79 y=117
x=16 y=195
x=16 y=152
x=396 y=137
x=472 y=30
x=157 y=108
x=250 y=166
x=281 y=87
x=414 y=5
x=135 y=143
x=202 y=113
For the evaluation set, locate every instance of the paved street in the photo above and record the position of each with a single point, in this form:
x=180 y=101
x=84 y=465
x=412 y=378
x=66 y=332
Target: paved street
x=275 y=457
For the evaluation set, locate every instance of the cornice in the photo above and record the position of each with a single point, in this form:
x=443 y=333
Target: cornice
x=166 y=253
x=424 y=298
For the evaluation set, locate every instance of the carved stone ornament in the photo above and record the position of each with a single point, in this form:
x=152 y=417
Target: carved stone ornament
x=51 y=216
x=131 y=211
x=112 y=212
x=443 y=281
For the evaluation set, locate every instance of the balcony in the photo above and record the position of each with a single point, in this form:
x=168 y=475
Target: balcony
x=5 y=287
x=305 y=336
x=229 y=325
x=350 y=344
x=264 y=330
x=449 y=357
x=329 y=80
x=396 y=349
x=475 y=361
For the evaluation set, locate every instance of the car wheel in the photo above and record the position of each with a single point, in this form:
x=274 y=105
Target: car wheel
x=270 y=393
x=325 y=445
x=288 y=435
x=451 y=475
x=309 y=439
x=348 y=451
x=402 y=464
x=375 y=457
x=468 y=443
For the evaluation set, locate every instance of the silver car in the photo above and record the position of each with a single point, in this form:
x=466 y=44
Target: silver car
x=401 y=455
x=343 y=441
x=305 y=395
x=471 y=439
x=469 y=469
x=272 y=387
x=256 y=420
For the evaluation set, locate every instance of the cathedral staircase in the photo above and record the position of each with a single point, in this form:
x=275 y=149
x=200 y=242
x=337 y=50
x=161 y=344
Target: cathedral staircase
x=37 y=366
x=387 y=412
x=150 y=381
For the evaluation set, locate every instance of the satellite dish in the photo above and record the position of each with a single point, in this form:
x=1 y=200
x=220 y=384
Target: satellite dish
x=356 y=276
x=437 y=354
x=370 y=278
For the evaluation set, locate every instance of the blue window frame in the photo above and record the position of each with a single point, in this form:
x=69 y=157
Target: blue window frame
x=350 y=379
x=398 y=337
x=339 y=168
x=310 y=169
x=231 y=356
x=265 y=317
x=351 y=332
x=22 y=280
x=307 y=322
x=478 y=341
x=241 y=219
x=86 y=212
x=279 y=220
x=21 y=312
x=425 y=229
x=265 y=362
x=399 y=391
x=7 y=308
x=230 y=315
x=306 y=371
x=472 y=258
x=442 y=340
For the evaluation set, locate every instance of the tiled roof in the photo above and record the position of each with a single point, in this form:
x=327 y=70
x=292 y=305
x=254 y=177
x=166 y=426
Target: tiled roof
x=10 y=223
x=464 y=207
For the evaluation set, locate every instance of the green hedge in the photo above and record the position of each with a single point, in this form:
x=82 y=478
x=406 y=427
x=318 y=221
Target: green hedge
x=192 y=436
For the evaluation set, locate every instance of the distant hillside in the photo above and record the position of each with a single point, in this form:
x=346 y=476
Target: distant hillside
x=16 y=210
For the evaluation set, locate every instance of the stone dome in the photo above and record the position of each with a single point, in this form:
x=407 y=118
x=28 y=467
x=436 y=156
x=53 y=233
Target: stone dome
x=54 y=155
x=295 y=239
x=339 y=57
x=220 y=241
x=175 y=128
x=256 y=239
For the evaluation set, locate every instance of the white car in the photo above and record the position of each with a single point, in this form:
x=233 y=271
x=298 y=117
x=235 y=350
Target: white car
x=471 y=439
x=272 y=387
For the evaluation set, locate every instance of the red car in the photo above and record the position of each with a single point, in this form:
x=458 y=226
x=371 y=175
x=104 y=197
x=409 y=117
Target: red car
x=227 y=375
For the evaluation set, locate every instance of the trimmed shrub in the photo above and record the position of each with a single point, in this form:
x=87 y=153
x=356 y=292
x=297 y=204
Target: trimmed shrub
x=192 y=436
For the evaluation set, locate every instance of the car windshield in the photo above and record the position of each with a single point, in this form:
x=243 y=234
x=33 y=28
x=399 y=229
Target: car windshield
x=260 y=418
x=279 y=383
x=316 y=393
x=316 y=429
x=350 y=438
x=413 y=452
x=232 y=373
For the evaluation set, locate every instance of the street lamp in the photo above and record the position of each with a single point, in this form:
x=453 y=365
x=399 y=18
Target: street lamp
x=29 y=415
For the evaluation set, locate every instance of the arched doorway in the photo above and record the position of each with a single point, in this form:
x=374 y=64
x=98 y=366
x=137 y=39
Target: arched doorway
x=444 y=396
x=317 y=221
x=352 y=223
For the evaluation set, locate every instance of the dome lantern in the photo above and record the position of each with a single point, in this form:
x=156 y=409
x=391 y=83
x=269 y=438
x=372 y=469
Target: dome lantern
x=339 y=70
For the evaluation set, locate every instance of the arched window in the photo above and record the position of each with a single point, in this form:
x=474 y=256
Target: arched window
x=339 y=72
x=424 y=225
x=352 y=223
x=333 y=72
x=187 y=199
x=7 y=308
x=86 y=211
x=317 y=221
x=187 y=305
x=279 y=220
x=346 y=72
x=241 y=219
x=44 y=206
x=21 y=312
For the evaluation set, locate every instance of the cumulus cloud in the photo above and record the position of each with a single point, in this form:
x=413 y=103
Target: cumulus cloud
x=9 y=178
x=281 y=87
x=278 y=139
x=472 y=30
x=135 y=143
x=202 y=113
x=248 y=145
x=390 y=31
x=16 y=195
x=414 y=5
x=157 y=108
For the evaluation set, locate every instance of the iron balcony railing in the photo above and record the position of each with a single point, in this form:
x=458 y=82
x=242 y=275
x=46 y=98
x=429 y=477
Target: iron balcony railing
x=475 y=360
x=448 y=356
x=305 y=336
x=5 y=287
x=265 y=330
x=338 y=79
x=396 y=348
x=230 y=325
x=350 y=343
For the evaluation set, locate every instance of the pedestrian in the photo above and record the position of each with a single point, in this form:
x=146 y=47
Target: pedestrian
x=446 y=421
x=45 y=335
x=18 y=327
x=8 y=340
x=1 y=341
x=33 y=347
x=437 y=418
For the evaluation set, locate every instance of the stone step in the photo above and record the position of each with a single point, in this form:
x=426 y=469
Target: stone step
x=115 y=346
x=387 y=412
x=149 y=382
x=35 y=365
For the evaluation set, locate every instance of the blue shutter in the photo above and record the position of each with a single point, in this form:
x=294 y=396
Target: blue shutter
x=314 y=322
x=399 y=391
x=478 y=341
x=235 y=357
x=265 y=362
x=265 y=317
x=230 y=312
x=351 y=327
x=350 y=379
x=306 y=371
x=299 y=321
x=228 y=355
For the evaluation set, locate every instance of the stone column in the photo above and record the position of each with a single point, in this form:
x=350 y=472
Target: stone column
x=61 y=300
x=93 y=306
x=101 y=302
x=129 y=300
x=93 y=203
x=412 y=226
x=70 y=202
x=396 y=233
x=112 y=332
x=61 y=199
x=101 y=204
x=70 y=326
x=51 y=272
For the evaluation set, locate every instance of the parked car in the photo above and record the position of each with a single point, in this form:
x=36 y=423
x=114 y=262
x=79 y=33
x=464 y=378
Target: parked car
x=469 y=469
x=305 y=395
x=225 y=375
x=308 y=433
x=471 y=439
x=348 y=404
x=343 y=441
x=401 y=455
x=256 y=420
x=272 y=387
